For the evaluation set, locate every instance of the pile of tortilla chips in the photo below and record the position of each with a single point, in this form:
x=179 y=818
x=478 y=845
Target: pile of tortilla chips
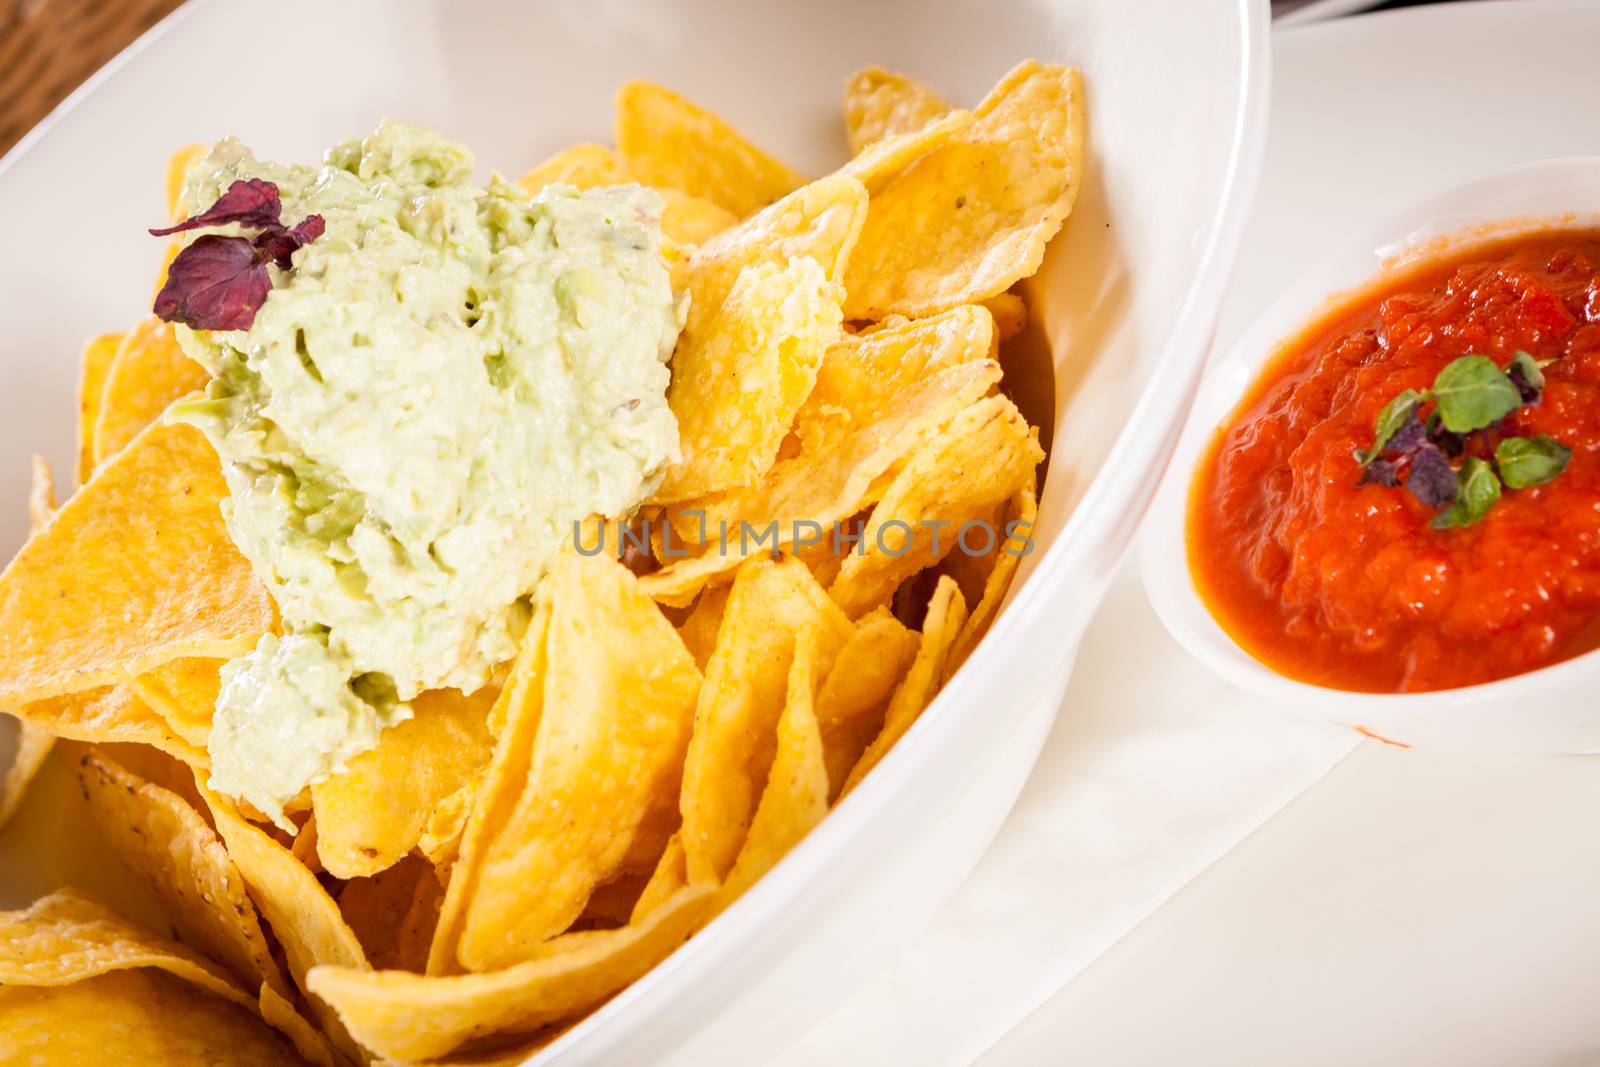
x=679 y=715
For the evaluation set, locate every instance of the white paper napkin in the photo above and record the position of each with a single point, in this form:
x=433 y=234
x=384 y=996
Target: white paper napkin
x=1154 y=771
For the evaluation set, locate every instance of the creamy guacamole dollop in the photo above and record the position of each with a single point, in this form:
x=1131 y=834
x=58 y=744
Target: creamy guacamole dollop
x=442 y=384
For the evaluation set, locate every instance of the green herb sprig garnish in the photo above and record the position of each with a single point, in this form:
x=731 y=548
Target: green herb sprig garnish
x=1470 y=398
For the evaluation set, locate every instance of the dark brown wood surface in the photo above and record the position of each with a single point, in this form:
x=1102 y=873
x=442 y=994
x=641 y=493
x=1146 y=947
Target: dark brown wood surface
x=48 y=48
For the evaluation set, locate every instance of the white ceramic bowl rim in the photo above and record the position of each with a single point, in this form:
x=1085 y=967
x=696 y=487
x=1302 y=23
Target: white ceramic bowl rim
x=1455 y=218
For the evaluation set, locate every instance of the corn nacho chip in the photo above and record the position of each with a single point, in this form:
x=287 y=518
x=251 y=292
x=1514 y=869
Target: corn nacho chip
x=947 y=613
x=149 y=372
x=162 y=839
x=685 y=219
x=967 y=220
x=107 y=713
x=670 y=876
x=584 y=166
x=66 y=937
x=735 y=728
x=877 y=397
x=877 y=164
x=667 y=141
x=376 y=909
x=301 y=915
x=1010 y=314
x=514 y=721
x=278 y=1012
x=1021 y=514
x=184 y=693
x=93 y=367
x=134 y=571
x=33 y=741
x=699 y=629
x=409 y=1016
x=384 y=802
x=821 y=221
x=985 y=456
x=880 y=104
x=736 y=390
x=796 y=794
x=853 y=697
x=127 y=1019
x=618 y=706
x=177 y=172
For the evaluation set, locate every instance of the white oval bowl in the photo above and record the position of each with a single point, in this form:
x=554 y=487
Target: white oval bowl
x=1549 y=710
x=1128 y=298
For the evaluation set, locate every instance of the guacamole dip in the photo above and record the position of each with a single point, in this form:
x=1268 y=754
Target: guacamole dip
x=438 y=388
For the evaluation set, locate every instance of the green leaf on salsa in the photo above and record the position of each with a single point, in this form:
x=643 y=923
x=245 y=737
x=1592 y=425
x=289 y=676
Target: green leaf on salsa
x=1525 y=461
x=1527 y=369
x=1479 y=491
x=1390 y=419
x=1472 y=393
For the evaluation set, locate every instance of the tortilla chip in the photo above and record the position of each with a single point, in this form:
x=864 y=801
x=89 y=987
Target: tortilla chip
x=667 y=141
x=1021 y=515
x=947 y=613
x=33 y=741
x=877 y=164
x=772 y=603
x=408 y=1016
x=281 y=1014
x=985 y=456
x=66 y=937
x=685 y=219
x=133 y=1018
x=692 y=220
x=736 y=387
x=1010 y=314
x=796 y=795
x=166 y=842
x=304 y=847
x=851 y=702
x=821 y=221
x=184 y=693
x=670 y=876
x=33 y=745
x=108 y=713
x=699 y=630
x=612 y=903
x=148 y=373
x=584 y=166
x=383 y=804
x=973 y=216
x=177 y=171
x=134 y=571
x=302 y=916
x=880 y=104
x=93 y=367
x=618 y=707
x=376 y=909
x=877 y=398
x=514 y=721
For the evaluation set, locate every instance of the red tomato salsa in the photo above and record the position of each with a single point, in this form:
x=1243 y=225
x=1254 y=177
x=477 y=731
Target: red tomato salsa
x=1350 y=585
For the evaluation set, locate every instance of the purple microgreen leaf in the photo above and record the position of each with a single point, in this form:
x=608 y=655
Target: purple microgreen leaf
x=216 y=283
x=252 y=203
x=1431 y=479
x=1453 y=444
x=280 y=245
x=1526 y=375
x=1389 y=420
x=1411 y=435
x=1380 y=472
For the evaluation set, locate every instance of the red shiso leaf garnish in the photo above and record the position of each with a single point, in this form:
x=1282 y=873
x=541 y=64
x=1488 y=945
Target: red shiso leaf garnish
x=217 y=283
x=278 y=247
x=251 y=203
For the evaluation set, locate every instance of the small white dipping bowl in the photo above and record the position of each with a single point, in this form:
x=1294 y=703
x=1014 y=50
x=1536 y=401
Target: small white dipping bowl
x=1550 y=710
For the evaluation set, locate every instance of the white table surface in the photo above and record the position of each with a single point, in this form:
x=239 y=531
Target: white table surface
x=1412 y=908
